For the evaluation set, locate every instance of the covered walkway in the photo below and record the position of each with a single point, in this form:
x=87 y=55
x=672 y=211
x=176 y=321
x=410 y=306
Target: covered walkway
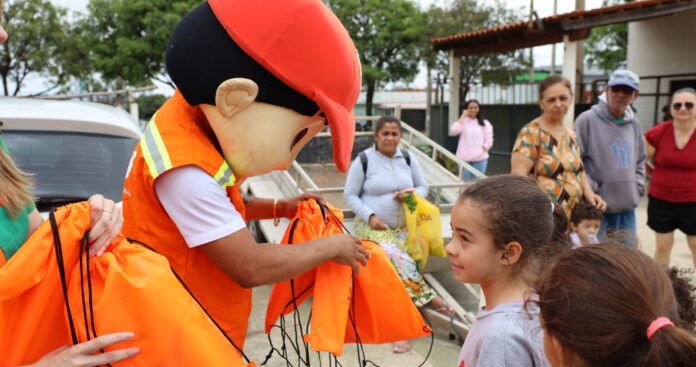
x=569 y=28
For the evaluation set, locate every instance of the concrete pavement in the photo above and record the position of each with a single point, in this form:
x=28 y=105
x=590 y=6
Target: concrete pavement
x=444 y=352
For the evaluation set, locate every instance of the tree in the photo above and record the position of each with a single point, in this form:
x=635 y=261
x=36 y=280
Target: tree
x=387 y=34
x=607 y=46
x=461 y=16
x=36 y=29
x=128 y=38
x=149 y=104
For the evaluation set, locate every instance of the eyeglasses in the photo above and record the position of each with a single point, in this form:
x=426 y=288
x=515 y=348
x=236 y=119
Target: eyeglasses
x=623 y=89
x=678 y=105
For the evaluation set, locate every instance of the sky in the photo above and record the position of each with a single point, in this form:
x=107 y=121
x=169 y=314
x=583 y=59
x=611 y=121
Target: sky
x=542 y=55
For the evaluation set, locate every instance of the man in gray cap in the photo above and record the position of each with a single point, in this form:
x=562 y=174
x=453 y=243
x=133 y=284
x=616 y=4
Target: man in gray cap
x=611 y=141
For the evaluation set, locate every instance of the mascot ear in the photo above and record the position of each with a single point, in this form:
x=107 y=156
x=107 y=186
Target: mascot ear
x=234 y=95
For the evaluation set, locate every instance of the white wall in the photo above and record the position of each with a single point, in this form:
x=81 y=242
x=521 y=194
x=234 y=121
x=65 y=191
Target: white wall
x=661 y=46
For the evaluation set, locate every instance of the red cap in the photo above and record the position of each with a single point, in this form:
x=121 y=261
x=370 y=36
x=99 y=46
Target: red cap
x=303 y=44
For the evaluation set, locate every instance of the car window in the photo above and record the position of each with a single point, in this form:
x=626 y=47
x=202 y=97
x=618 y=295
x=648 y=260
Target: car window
x=68 y=167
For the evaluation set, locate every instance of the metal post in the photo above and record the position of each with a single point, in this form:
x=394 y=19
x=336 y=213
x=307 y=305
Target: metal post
x=569 y=67
x=428 y=100
x=579 y=61
x=657 y=99
x=438 y=195
x=553 y=47
x=132 y=104
x=454 y=88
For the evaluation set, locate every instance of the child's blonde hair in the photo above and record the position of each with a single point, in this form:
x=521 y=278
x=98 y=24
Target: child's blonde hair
x=15 y=186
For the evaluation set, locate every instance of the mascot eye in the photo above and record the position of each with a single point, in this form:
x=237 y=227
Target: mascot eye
x=298 y=137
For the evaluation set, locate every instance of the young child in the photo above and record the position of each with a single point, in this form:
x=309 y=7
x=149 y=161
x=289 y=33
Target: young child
x=585 y=220
x=611 y=305
x=495 y=245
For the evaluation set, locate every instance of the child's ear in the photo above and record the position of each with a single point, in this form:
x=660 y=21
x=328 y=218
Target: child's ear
x=573 y=227
x=511 y=253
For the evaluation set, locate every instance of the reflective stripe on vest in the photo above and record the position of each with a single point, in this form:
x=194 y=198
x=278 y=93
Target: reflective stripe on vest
x=158 y=161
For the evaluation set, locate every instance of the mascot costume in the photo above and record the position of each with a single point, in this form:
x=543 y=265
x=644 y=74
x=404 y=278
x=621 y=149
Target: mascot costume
x=255 y=81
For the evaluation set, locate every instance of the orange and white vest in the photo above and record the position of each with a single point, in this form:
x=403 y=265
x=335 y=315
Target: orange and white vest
x=174 y=138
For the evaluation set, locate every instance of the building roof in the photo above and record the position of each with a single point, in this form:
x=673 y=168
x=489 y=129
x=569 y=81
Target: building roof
x=548 y=30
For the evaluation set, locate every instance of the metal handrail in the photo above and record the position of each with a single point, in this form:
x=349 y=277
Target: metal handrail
x=438 y=149
x=433 y=186
x=304 y=176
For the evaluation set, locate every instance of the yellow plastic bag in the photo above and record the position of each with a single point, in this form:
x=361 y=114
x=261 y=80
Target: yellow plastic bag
x=424 y=229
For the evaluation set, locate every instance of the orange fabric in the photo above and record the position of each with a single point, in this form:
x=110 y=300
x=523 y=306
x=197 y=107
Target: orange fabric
x=381 y=306
x=383 y=310
x=133 y=289
x=179 y=125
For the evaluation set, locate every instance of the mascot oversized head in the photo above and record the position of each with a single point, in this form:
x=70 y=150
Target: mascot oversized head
x=268 y=75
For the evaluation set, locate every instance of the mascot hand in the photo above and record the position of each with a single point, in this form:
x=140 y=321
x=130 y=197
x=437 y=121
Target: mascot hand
x=349 y=251
x=290 y=205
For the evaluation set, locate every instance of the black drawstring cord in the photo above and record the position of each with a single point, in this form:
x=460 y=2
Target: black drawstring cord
x=362 y=357
x=58 y=246
x=89 y=285
x=84 y=248
x=327 y=214
x=297 y=321
x=357 y=337
x=297 y=318
x=432 y=340
x=82 y=288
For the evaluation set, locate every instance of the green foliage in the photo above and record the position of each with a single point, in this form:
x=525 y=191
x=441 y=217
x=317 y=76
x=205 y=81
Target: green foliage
x=410 y=201
x=36 y=30
x=149 y=104
x=128 y=38
x=451 y=166
x=462 y=16
x=607 y=46
x=387 y=34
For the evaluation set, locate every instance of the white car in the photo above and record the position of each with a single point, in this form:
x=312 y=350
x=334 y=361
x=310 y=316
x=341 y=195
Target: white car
x=73 y=149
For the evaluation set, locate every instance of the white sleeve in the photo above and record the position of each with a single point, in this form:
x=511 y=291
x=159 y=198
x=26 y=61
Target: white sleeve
x=198 y=205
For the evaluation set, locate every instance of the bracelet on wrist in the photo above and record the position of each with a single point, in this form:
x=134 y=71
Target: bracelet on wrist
x=276 y=219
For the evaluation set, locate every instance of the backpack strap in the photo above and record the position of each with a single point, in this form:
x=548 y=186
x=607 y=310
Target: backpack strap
x=363 y=160
x=407 y=157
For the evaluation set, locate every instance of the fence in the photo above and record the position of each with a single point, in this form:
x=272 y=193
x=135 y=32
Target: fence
x=655 y=91
x=507 y=120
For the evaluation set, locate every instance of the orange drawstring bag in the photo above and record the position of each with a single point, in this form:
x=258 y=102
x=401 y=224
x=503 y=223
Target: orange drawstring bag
x=376 y=286
x=372 y=307
x=307 y=225
x=33 y=321
x=128 y=288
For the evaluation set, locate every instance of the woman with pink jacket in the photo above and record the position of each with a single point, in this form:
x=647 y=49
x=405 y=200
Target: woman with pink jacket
x=475 y=138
